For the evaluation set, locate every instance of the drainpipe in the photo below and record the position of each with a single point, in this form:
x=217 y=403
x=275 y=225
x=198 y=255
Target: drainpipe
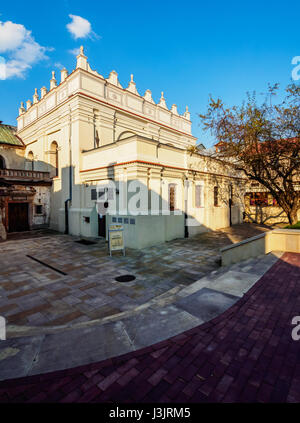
x=186 y=229
x=69 y=200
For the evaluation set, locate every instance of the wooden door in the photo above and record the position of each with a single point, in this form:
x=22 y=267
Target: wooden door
x=18 y=217
x=102 y=226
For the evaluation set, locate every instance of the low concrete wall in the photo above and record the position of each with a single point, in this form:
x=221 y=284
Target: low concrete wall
x=276 y=240
x=284 y=240
x=145 y=231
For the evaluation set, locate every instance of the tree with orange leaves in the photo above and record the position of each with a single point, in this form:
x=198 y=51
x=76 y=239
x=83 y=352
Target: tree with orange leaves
x=262 y=140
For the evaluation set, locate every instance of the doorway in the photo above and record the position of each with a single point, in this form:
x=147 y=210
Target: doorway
x=18 y=217
x=102 y=226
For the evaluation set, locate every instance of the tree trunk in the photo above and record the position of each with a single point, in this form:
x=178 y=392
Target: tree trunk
x=292 y=216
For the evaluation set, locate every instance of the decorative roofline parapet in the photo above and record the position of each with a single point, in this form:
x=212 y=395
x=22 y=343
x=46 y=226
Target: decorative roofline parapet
x=85 y=80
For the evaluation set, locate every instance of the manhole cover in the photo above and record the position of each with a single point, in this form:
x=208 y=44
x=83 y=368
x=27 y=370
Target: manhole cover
x=86 y=242
x=125 y=278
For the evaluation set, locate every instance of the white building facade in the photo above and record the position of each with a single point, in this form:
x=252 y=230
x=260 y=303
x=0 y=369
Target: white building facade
x=88 y=131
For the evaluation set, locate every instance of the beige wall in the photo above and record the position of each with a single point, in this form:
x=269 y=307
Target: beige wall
x=276 y=240
x=268 y=215
x=14 y=157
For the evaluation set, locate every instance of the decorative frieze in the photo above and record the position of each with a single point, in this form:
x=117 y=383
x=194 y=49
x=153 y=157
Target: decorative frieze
x=85 y=80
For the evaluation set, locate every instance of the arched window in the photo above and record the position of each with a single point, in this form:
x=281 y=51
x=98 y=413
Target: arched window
x=2 y=163
x=30 y=159
x=54 y=158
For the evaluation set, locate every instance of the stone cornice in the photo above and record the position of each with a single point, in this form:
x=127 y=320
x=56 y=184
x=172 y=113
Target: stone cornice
x=160 y=165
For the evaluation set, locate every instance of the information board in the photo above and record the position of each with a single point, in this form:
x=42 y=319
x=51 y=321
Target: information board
x=116 y=238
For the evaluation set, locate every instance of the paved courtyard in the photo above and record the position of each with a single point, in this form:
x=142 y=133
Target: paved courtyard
x=79 y=286
x=245 y=354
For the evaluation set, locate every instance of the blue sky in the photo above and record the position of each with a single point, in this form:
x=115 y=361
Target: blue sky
x=187 y=49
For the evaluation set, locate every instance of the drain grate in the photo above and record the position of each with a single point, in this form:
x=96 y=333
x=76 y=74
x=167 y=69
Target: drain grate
x=47 y=265
x=86 y=242
x=125 y=278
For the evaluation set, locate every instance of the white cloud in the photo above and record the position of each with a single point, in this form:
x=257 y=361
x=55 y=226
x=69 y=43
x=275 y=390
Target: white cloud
x=80 y=28
x=11 y=36
x=20 y=48
x=74 y=51
x=2 y=68
x=58 y=65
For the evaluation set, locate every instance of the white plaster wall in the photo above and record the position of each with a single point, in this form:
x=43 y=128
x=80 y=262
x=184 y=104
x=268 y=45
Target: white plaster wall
x=42 y=197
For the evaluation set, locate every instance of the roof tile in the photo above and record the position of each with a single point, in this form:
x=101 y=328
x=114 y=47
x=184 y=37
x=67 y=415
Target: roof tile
x=8 y=135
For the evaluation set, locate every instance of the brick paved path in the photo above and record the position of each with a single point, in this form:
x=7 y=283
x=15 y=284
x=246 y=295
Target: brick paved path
x=244 y=355
x=33 y=295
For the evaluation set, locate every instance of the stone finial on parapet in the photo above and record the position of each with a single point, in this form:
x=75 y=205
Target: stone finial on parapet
x=53 y=82
x=132 y=86
x=187 y=114
x=21 y=108
x=148 y=96
x=63 y=74
x=43 y=92
x=81 y=60
x=162 y=101
x=35 y=96
x=113 y=79
x=174 y=110
x=28 y=104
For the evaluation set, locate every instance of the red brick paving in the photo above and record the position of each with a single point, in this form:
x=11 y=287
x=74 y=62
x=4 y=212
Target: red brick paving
x=244 y=355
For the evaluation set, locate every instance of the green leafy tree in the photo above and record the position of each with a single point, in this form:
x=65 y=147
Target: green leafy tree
x=262 y=139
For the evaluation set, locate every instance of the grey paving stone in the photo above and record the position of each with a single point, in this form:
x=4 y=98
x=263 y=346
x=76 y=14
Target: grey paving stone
x=206 y=303
x=81 y=346
x=17 y=356
x=154 y=325
x=234 y=283
x=71 y=300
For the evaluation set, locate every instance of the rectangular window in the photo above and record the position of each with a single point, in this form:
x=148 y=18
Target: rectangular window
x=93 y=194
x=259 y=199
x=216 y=196
x=172 y=196
x=198 y=195
x=38 y=209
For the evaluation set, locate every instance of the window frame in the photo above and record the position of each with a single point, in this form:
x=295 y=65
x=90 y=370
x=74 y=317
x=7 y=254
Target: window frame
x=259 y=199
x=54 y=162
x=172 y=204
x=35 y=209
x=216 y=196
x=199 y=195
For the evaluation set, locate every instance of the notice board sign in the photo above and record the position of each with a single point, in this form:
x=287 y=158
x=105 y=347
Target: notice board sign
x=116 y=238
